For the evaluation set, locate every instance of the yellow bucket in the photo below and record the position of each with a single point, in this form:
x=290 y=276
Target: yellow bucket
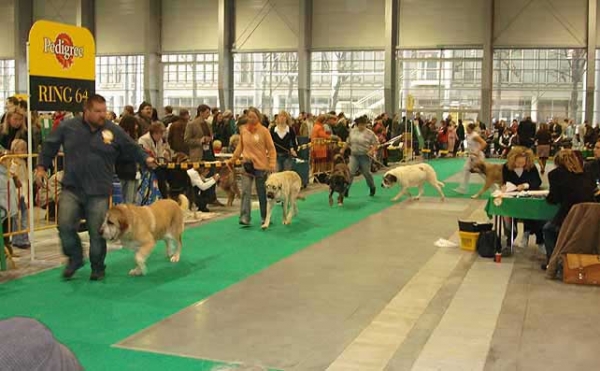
x=468 y=240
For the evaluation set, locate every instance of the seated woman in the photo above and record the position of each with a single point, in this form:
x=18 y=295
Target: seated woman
x=520 y=170
x=593 y=169
x=203 y=185
x=569 y=185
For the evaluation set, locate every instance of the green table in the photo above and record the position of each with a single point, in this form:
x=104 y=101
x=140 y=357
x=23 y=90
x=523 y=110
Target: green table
x=522 y=208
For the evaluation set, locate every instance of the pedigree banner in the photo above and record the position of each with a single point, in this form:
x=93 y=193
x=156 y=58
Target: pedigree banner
x=62 y=66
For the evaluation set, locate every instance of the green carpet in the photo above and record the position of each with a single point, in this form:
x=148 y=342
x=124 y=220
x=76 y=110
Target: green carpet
x=89 y=317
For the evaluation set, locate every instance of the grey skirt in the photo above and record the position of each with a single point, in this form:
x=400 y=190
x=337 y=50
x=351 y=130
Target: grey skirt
x=543 y=150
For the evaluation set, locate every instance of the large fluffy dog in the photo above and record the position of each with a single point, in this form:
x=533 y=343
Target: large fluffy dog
x=492 y=173
x=140 y=227
x=283 y=187
x=412 y=176
x=339 y=180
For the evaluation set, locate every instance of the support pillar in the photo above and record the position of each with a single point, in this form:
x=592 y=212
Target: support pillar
x=487 y=68
x=152 y=56
x=23 y=22
x=86 y=15
x=226 y=40
x=304 y=54
x=390 y=78
x=590 y=80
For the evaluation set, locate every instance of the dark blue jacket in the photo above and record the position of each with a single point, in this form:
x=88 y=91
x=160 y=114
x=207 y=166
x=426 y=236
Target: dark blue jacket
x=90 y=155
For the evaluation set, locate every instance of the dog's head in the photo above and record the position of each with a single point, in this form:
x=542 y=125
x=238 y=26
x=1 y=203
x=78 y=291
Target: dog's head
x=338 y=159
x=388 y=180
x=273 y=186
x=477 y=166
x=115 y=223
x=338 y=183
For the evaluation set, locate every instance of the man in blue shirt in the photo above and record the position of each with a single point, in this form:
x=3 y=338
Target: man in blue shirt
x=91 y=144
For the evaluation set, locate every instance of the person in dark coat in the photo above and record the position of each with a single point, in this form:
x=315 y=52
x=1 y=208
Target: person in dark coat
x=526 y=132
x=569 y=186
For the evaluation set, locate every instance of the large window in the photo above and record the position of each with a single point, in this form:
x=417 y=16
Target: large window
x=7 y=78
x=441 y=82
x=120 y=79
x=541 y=83
x=347 y=81
x=268 y=81
x=190 y=80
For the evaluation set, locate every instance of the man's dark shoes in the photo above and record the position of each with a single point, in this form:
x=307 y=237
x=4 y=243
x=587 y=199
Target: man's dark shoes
x=70 y=270
x=97 y=276
x=372 y=192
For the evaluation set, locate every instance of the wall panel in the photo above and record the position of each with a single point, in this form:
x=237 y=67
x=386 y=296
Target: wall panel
x=438 y=23
x=348 y=24
x=266 y=24
x=7 y=29
x=189 y=25
x=540 y=23
x=62 y=11
x=120 y=26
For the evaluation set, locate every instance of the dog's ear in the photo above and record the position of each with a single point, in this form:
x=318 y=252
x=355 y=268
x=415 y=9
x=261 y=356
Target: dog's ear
x=122 y=220
x=391 y=178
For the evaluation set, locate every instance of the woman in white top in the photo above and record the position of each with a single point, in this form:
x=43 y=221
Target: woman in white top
x=202 y=184
x=475 y=147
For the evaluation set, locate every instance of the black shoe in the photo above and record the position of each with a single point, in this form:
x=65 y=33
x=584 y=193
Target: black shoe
x=346 y=193
x=244 y=223
x=70 y=270
x=97 y=276
x=372 y=192
x=544 y=266
x=204 y=210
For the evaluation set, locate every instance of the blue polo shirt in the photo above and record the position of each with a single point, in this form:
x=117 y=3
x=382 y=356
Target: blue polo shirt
x=90 y=155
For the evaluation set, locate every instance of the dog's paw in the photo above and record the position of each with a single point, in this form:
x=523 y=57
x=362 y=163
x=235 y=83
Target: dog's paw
x=395 y=199
x=137 y=271
x=287 y=222
x=264 y=226
x=175 y=258
x=475 y=196
x=416 y=198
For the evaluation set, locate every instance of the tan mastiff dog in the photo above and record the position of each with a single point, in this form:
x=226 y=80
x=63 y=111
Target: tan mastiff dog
x=283 y=187
x=491 y=172
x=140 y=227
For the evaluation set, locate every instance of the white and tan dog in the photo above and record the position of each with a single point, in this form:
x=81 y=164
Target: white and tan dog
x=412 y=176
x=140 y=227
x=283 y=187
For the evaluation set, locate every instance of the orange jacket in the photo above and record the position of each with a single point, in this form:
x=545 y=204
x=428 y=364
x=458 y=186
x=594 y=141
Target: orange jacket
x=319 y=150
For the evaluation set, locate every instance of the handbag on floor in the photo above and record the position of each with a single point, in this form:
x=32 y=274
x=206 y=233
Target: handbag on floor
x=488 y=244
x=582 y=269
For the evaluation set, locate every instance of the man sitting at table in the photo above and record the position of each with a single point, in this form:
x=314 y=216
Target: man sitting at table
x=520 y=170
x=593 y=169
x=569 y=186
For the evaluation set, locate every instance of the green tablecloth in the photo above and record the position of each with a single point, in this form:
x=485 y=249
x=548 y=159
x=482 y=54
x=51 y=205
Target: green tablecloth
x=522 y=208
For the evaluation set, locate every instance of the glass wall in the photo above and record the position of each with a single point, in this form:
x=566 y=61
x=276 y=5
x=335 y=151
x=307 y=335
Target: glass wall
x=541 y=83
x=190 y=80
x=268 y=81
x=120 y=79
x=347 y=81
x=441 y=82
x=7 y=78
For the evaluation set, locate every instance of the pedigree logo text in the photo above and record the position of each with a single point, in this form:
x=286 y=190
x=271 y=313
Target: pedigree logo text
x=63 y=49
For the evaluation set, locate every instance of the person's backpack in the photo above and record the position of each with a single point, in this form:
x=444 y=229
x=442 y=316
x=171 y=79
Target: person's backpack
x=488 y=244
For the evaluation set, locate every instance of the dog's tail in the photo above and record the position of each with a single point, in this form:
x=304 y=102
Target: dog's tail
x=183 y=202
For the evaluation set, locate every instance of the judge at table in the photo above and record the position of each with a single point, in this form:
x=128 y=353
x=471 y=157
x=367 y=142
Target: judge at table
x=520 y=170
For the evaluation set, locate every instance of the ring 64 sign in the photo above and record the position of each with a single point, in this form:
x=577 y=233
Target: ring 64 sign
x=62 y=66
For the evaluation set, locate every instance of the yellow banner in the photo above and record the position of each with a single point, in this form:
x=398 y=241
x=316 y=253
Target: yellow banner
x=61 y=51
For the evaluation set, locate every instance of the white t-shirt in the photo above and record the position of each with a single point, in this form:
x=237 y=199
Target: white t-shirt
x=473 y=145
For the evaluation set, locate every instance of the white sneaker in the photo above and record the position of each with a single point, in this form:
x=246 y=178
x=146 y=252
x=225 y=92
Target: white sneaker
x=460 y=190
x=542 y=248
x=524 y=241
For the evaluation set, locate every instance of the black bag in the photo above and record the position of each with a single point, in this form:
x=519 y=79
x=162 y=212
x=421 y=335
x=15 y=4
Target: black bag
x=248 y=167
x=488 y=244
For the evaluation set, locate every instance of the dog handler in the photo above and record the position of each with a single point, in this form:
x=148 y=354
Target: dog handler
x=91 y=145
x=260 y=156
x=475 y=147
x=363 y=144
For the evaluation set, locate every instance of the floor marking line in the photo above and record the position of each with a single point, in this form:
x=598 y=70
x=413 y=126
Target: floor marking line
x=462 y=339
x=378 y=342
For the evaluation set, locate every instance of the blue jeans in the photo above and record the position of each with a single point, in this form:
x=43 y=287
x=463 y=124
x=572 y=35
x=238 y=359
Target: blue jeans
x=19 y=223
x=129 y=191
x=363 y=164
x=246 y=203
x=284 y=162
x=72 y=207
x=550 y=237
